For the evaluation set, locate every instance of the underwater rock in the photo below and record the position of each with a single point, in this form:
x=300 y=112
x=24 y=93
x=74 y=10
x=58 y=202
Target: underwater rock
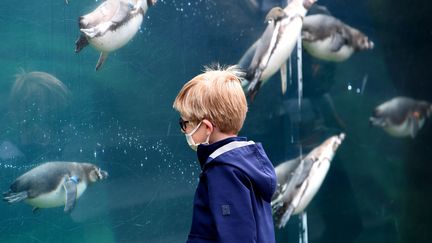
x=36 y=103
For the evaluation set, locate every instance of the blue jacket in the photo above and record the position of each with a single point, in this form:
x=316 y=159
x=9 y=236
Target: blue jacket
x=232 y=200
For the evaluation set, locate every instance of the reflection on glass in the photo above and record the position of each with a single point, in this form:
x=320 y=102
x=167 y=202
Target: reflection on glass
x=37 y=100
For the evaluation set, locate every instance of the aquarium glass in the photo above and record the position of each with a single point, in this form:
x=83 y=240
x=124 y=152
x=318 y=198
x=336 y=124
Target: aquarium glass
x=121 y=119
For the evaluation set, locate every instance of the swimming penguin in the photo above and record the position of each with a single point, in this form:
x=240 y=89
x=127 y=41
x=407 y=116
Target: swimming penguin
x=54 y=184
x=327 y=38
x=276 y=44
x=401 y=116
x=298 y=180
x=111 y=25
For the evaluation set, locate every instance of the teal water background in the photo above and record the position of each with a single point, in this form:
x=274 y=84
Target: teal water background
x=121 y=118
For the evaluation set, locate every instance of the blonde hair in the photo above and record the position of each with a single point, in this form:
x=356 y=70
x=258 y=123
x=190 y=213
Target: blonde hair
x=216 y=95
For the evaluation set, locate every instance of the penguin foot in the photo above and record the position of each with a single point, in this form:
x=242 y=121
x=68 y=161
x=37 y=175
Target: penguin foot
x=90 y=33
x=83 y=22
x=135 y=8
x=285 y=217
x=36 y=210
x=97 y=30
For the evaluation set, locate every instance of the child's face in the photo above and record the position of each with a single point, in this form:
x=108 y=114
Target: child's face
x=201 y=133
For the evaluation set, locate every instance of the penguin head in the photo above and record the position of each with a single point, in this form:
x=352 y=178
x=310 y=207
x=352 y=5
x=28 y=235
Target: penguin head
x=362 y=42
x=151 y=2
x=336 y=141
x=378 y=117
x=327 y=149
x=95 y=174
x=429 y=111
x=308 y=3
x=423 y=109
x=275 y=14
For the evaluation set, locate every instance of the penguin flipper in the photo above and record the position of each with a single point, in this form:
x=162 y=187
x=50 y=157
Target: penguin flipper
x=14 y=197
x=35 y=210
x=103 y=56
x=246 y=60
x=286 y=216
x=261 y=47
x=123 y=10
x=414 y=128
x=305 y=171
x=283 y=72
x=70 y=186
x=81 y=43
x=337 y=42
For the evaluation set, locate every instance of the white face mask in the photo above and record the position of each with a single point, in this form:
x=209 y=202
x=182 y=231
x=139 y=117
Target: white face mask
x=190 y=140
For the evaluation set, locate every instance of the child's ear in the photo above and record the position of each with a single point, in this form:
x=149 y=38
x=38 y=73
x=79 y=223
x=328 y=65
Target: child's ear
x=209 y=126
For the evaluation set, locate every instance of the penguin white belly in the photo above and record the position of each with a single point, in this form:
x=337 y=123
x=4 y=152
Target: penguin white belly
x=55 y=198
x=318 y=173
x=284 y=47
x=113 y=40
x=404 y=129
x=322 y=49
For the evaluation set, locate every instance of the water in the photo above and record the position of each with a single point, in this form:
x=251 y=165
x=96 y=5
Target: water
x=121 y=118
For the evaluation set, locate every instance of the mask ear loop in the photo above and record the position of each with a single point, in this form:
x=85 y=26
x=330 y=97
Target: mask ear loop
x=208 y=137
x=195 y=129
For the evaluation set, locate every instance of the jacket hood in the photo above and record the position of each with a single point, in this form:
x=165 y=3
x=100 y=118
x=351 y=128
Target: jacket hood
x=247 y=156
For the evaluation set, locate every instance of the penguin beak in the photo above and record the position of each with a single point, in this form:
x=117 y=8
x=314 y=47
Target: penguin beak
x=338 y=141
x=308 y=3
x=375 y=121
x=102 y=174
x=152 y=2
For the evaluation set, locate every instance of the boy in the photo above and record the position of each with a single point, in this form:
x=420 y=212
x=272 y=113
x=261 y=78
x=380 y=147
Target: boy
x=232 y=200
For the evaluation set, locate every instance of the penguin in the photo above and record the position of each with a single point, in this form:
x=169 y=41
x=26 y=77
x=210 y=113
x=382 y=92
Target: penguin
x=111 y=25
x=54 y=184
x=326 y=37
x=298 y=180
x=275 y=45
x=401 y=116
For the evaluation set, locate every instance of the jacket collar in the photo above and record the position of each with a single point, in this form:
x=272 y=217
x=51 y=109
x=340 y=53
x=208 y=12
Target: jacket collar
x=204 y=151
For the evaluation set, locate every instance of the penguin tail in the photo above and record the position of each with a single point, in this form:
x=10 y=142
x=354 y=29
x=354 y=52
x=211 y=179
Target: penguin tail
x=81 y=43
x=82 y=22
x=14 y=197
x=254 y=86
x=282 y=213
